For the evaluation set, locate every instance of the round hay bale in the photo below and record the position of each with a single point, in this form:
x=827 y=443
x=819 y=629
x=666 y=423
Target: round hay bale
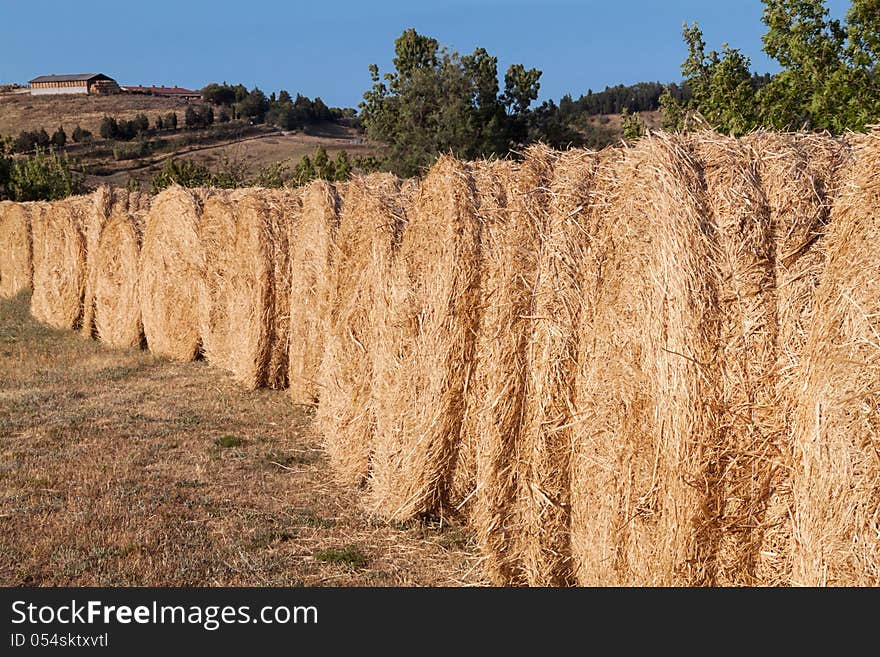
x=562 y=234
x=495 y=395
x=59 y=261
x=116 y=282
x=425 y=353
x=311 y=249
x=738 y=484
x=236 y=307
x=369 y=227
x=645 y=388
x=284 y=216
x=105 y=201
x=799 y=176
x=836 y=438
x=16 y=266
x=171 y=268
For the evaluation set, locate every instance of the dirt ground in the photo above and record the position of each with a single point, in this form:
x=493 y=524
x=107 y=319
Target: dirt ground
x=121 y=469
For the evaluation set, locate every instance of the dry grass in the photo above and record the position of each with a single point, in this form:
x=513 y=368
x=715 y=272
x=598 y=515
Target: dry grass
x=114 y=473
x=424 y=348
x=171 y=266
x=836 y=438
x=16 y=265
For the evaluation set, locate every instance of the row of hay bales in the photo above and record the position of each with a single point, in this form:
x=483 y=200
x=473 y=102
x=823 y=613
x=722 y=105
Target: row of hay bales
x=652 y=365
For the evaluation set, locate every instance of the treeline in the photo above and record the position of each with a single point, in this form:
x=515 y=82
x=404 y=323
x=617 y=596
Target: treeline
x=639 y=97
x=281 y=110
x=829 y=78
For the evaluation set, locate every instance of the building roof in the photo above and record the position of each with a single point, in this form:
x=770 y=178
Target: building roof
x=168 y=91
x=74 y=77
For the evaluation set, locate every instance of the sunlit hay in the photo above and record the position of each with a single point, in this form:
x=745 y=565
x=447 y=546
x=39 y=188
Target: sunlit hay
x=799 y=176
x=517 y=257
x=563 y=231
x=16 y=265
x=116 y=295
x=59 y=261
x=171 y=268
x=496 y=392
x=836 y=464
x=369 y=226
x=424 y=360
x=739 y=482
x=106 y=201
x=236 y=306
x=311 y=249
x=645 y=390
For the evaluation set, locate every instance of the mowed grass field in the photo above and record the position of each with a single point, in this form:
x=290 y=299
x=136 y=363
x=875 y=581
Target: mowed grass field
x=121 y=469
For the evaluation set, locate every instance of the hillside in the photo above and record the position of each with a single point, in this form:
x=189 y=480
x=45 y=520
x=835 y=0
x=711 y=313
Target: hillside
x=24 y=112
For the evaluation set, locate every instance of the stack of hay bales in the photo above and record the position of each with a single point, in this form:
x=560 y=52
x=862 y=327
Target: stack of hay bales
x=311 y=251
x=59 y=261
x=646 y=387
x=241 y=239
x=16 y=266
x=424 y=351
x=836 y=439
x=171 y=268
x=369 y=231
x=117 y=303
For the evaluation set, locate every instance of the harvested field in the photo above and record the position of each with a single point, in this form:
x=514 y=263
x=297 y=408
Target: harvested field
x=123 y=469
x=655 y=365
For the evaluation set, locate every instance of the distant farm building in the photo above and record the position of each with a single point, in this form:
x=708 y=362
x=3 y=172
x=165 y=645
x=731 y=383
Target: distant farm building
x=167 y=92
x=77 y=83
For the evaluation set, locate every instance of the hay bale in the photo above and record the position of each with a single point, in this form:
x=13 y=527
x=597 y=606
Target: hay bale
x=645 y=388
x=311 y=249
x=116 y=282
x=16 y=266
x=59 y=261
x=799 y=176
x=105 y=202
x=836 y=475
x=369 y=227
x=562 y=229
x=738 y=485
x=284 y=213
x=171 y=268
x=240 y=238
x=424 y=352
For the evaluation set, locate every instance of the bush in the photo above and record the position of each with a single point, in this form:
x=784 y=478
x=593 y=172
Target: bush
x=59 y=138
x=81 y=136
x=42 y=177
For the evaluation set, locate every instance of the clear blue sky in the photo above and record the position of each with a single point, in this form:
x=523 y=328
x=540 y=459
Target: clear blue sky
x=324 y=48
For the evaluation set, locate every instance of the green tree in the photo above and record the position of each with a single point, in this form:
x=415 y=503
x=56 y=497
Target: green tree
x=721 y=85
x=80 y=135
x=436 y=101
x=109 y=128
x=323 y=165
x=191 y=118
x=342 y=168
x=631 y=125
x=59 y=138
